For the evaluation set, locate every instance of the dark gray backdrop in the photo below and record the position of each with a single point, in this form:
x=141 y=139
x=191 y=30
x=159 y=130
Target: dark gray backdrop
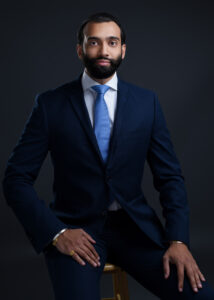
x=169 y=50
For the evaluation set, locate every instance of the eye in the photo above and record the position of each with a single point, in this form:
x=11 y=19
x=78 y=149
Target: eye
x=113 y=43
x=93 y=43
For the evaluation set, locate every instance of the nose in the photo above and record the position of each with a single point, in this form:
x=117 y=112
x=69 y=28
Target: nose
x=104 y=50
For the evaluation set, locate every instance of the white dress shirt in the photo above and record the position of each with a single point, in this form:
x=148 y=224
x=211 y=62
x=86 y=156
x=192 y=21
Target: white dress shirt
x=110 y=98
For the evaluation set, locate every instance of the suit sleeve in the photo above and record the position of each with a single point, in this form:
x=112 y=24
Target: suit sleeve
x=168 y=179
x=23 y=166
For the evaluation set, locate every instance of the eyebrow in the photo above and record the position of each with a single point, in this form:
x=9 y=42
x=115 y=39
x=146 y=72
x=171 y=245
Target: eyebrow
x=109 y=37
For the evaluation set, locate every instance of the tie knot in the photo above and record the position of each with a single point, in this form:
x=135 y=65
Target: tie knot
x=100 y=88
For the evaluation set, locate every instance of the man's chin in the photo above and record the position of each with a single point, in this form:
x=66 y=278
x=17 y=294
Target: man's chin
x=100 y=75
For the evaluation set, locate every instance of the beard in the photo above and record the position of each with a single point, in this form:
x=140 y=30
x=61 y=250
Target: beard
x=101 y=72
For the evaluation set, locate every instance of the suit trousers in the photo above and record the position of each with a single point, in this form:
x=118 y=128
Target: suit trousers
x=120 y=241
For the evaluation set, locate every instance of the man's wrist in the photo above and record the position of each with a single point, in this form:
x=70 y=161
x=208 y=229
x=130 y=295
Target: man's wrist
x=54 y=241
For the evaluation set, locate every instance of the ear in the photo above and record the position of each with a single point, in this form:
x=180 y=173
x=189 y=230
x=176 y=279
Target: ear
x=79 y=51
x=123 y=50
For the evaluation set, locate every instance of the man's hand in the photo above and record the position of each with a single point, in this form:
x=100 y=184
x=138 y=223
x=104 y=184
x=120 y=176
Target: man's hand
x=81 y=242
x=180 y=255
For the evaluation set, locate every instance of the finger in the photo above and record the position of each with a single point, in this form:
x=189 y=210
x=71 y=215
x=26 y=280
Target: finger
x=87 y=257
x=166 y=266
x=76 y=257
x=88 y=237
x=197 y=279
x=180 y=273
x=90 y=254
x=201 y=276
x=191 y=276
x=92 y=249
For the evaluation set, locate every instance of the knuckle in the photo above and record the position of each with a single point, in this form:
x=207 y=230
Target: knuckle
x=180 y=265
x=181 y=273
x=87 y=257
x=76 y=257
x=189 y=266
x=189 y=262
x=192 y=279
x=91 y=255
x=89 y=246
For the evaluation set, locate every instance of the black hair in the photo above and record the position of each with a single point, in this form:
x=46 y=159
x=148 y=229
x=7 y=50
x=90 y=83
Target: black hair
x=99 y=18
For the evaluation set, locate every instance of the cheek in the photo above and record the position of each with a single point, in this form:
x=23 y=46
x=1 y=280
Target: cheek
x=91 y=52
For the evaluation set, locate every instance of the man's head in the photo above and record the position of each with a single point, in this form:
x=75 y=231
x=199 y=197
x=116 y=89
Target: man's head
x=101 y=45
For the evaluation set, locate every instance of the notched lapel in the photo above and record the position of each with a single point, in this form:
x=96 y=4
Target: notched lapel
x=75 y=93
x=122 y=98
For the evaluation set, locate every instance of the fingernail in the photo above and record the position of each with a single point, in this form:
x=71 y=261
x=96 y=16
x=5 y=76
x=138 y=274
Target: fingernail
x=195 y=289
x=180 y=289
x=98 y=263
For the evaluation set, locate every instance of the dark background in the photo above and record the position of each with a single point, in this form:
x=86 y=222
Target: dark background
x=169 y=50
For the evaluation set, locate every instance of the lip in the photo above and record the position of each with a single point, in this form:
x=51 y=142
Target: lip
x=102 y=62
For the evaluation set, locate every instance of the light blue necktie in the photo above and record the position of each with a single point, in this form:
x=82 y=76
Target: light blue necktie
x=101 y=120
x=102 y=124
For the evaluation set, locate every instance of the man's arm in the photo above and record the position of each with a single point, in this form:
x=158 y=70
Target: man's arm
x=39 y=222
x=169 y=181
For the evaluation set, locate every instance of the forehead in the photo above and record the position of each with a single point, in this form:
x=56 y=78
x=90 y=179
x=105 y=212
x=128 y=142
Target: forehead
x=102 y=30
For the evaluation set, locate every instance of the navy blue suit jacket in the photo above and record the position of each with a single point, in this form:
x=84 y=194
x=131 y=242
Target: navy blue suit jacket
x=59 y=123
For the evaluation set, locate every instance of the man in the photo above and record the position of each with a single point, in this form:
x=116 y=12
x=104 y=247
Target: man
x=99 y=131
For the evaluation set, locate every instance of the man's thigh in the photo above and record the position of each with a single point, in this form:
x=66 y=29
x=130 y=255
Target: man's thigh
x=70 y=280
x=142 y=258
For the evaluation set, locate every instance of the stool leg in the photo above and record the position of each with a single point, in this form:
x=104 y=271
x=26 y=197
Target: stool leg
x=120 y=284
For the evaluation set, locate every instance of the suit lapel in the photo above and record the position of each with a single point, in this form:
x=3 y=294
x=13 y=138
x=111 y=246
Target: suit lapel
x=75 y=92
x=122 y=99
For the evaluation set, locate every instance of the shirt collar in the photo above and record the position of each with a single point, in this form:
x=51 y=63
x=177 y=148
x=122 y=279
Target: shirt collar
x=88 y=82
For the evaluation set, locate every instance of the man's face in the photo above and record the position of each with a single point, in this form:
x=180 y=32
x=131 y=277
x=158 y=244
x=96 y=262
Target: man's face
x=101 y=51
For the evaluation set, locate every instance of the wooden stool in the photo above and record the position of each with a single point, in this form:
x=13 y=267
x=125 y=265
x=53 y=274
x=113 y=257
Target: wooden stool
x=120 y=282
